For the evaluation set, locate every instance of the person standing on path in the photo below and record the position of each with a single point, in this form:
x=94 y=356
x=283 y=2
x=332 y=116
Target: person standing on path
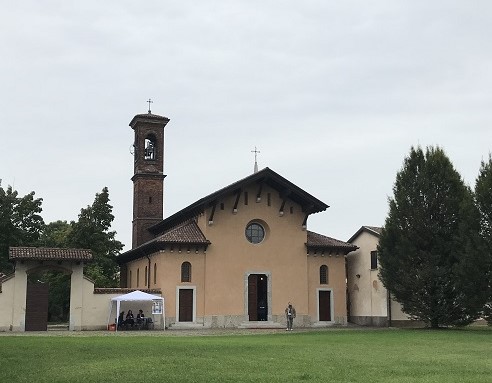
x=290 y=314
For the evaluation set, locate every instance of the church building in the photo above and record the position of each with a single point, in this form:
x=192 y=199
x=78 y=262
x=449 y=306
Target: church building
x=237 y=256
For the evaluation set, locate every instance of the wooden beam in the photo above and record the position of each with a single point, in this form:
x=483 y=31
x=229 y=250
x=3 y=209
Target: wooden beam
x=234 y=209
x=304 y=222
x=211 y=218
x=281 y=210
x=258 y=194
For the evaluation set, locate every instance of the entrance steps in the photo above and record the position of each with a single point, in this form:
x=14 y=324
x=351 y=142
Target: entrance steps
x=58 y=327
x=185 y=326
x=261 y=324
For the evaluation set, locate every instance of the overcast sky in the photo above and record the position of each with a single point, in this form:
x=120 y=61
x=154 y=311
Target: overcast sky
x=333 y=94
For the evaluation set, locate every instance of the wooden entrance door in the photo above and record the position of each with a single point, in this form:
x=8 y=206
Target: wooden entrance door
x=257 y=297
x=37 y=306
x=324 y=305
x=253 y=297
x=185 y=305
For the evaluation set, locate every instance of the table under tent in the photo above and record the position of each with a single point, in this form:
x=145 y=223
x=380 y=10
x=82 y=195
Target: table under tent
x=152 y=306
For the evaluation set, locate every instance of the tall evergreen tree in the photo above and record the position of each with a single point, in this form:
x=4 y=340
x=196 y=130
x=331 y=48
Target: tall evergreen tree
x=429 y=248
x=483 y=195
x=92 y=231
x=20 y=223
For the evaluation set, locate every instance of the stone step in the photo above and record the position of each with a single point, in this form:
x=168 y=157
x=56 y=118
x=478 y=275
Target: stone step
x=58 y=327
x=260 y=324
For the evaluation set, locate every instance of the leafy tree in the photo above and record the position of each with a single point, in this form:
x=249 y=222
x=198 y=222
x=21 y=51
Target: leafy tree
x=483 y=195
x=429 y=249
x=20 y=223
x=92 y=231
x=55 y=234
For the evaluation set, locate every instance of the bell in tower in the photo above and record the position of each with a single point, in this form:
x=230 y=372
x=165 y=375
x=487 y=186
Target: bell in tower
x=148 y=174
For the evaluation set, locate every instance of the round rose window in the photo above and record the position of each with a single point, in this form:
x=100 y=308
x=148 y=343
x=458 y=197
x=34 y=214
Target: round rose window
x=255 y=232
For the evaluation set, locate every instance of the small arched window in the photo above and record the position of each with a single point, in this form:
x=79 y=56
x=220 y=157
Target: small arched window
x=138 y=277
x=130 y=280
x=146 y=276
x=186 y=272
x=323 y=275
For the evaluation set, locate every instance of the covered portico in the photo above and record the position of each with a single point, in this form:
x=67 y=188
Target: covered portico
x=16 y=299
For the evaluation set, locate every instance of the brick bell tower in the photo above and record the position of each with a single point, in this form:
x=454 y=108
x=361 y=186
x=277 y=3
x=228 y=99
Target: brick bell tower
x=148 y=174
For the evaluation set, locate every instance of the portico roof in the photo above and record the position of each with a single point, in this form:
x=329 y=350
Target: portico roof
x=317 y=241
x=187 y=233
x=49 y=254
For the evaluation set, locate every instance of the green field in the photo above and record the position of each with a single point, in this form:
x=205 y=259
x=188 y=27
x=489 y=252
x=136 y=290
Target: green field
x=313 y=356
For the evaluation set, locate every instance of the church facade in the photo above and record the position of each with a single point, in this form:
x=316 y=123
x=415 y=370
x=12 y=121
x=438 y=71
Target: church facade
x=237 y=256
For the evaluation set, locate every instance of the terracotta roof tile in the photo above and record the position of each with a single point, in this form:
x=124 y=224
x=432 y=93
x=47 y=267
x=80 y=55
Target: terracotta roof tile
x=376 y=229
x=187 y=232
x=321 y=241
x=49 y=253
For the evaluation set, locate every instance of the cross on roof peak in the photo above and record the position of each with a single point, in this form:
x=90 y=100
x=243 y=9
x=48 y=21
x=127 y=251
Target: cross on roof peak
x=256 y=151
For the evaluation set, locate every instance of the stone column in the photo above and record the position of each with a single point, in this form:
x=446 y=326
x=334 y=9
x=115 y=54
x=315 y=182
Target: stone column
x=19 y=298
x=76 y=297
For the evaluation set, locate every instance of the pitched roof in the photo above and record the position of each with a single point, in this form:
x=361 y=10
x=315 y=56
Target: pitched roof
x=49 y=254
x=318 y=241
x=374 y=230
x=309 y=203
x=186 y=233
x=149 y=117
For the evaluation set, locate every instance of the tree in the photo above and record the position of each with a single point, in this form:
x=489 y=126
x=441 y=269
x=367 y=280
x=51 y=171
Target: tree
x=55 y=234
x=483 y=196
x=92 y=231
x=20 y=223
x=429 y=250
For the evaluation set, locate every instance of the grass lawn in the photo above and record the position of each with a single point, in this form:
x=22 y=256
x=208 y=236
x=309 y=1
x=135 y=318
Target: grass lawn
x=314 y=356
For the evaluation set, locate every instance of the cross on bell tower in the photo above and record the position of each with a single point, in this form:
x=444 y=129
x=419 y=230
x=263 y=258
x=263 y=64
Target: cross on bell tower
x=256 y=163
x=148 y=174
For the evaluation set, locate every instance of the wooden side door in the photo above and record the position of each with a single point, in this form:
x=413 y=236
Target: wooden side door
x=185 y=305
x=325 y=305
x=253 y=297
x=37 y=306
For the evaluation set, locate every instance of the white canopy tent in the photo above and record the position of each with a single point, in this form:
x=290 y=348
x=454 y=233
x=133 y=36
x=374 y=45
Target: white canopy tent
x=151 y=304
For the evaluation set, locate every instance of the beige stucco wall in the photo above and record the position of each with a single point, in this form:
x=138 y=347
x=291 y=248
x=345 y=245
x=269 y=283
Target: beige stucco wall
x=367 y=295
x=219 y=276
x=336 y=284
x=7 y=304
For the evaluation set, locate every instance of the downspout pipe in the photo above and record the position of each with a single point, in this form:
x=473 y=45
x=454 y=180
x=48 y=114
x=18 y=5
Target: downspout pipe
x=388 y=299
x=148 y=273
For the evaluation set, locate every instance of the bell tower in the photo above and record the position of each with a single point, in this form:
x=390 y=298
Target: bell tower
x=148 y=174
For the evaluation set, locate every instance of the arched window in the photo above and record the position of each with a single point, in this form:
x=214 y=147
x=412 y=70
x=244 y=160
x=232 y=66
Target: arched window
x=145 y=276
x=138 y=277
x=323 y=275
x=186 y=272
x=130 y=280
